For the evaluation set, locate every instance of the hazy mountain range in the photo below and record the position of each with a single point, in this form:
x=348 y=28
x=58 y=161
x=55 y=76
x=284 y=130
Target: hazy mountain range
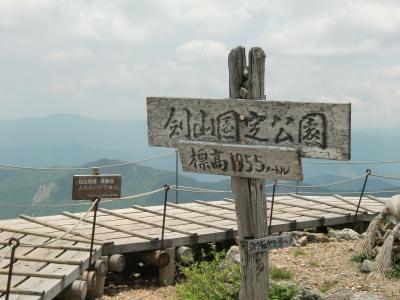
x=64 y=139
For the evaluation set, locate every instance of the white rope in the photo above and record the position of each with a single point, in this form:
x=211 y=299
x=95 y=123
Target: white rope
x=196 y=190
x=385 y=177
x=67 y=232
x=84 y=203
x=322 y=185
x=84 y=168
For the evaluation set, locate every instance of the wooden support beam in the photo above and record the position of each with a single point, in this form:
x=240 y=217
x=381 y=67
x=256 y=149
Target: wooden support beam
x=48 y=235
x=159 y=258
x=182 y=218
x=33 y=274
x=127 y=217
x=18 y=291
x=166 y=274
x=56 y=247
x=76 y=291
x=375 y=199
x=200 y=211
x=117 y=262
x=54 y=226
x=47 y=260
x=306 y=207
x=215 y=205
x=322 y=202
x=366 y=209
x=184 y=254
x=115 y=228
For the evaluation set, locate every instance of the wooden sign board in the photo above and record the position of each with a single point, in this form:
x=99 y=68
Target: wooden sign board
x=253 y=161
x=269 y=243
x=322 y=130
x=88 y=187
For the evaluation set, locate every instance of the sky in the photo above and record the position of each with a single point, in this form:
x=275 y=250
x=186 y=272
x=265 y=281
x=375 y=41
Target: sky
x=101 y=58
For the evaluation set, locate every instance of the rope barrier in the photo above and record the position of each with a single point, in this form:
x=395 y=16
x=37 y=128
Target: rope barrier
x=84 y=168
x=83 y=203
x=197 y=190
x=323 y=185
x=385 y=177
x=67 y=232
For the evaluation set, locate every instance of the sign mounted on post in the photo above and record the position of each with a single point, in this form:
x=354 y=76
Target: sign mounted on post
x=269 y=243
x=321 y=130
x=88 y=187
x=253 y=161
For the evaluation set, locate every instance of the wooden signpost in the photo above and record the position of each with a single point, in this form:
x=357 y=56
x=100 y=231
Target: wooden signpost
x=250 y=141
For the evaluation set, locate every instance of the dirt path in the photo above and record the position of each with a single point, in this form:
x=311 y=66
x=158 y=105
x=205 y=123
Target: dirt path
x=323 y=267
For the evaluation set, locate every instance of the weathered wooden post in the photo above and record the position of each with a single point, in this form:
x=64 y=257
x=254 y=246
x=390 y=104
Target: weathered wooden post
x=251 y=209
x=250 y=141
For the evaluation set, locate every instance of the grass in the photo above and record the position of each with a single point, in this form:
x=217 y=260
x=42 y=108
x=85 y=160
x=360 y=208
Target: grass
x=327 y=285
x=279 y=273
x=298 y=252
x=359 y=258
x=212 y=278
x=395 y=272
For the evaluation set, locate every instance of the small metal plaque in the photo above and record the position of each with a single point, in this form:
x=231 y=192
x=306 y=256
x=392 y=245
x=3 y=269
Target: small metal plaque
x=88 y=187
x=269 y=243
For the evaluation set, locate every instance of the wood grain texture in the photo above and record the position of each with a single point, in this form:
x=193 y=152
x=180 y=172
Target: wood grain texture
x=251 y=209
x=322 y=130
x=252 y=161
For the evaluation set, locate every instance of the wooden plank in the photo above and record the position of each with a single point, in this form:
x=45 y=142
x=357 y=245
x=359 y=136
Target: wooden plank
x=362 y=207
x=60 y=228
x=322 y=202
x=201 y=212
x=89 y=187
x=33 y=274
x=43 y=234
x=252 y=161
x=115 y=228
x=321 y=129
x=375 y=199
x=182 y=218
x=111 y=212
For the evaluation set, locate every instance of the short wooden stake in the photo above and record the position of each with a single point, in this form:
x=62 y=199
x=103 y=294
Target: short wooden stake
x=184 y=254
x=76 y=291
x=117 y=262
x=166 y=274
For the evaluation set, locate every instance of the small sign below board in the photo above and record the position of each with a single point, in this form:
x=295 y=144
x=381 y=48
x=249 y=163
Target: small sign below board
x=252 y=161
x=88 y=187
x=269 y=243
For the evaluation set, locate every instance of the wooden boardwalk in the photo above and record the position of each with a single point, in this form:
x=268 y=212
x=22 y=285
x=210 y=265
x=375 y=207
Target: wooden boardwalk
x=42 y=272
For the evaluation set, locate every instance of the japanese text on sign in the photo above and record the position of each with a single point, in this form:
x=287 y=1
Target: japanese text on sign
x=87 y=187
x=321 y=129
x=248 y=161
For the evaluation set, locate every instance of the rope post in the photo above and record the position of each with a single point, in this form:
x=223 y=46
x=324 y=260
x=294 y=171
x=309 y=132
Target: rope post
x=13 y=243
x=176 y=176
x=275 y=182
x=96 y=200
x=297 y=187
x=166 y=187
x=367 y=173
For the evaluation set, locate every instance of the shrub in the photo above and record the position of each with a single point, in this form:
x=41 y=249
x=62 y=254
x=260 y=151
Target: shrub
x=283 y=292
x=359 y=258
x=395 y=272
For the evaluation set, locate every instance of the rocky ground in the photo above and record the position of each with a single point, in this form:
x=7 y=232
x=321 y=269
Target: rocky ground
x=320 y=263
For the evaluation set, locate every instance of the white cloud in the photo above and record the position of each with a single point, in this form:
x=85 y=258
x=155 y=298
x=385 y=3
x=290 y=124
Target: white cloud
x=201 y=50
x=74 y=55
